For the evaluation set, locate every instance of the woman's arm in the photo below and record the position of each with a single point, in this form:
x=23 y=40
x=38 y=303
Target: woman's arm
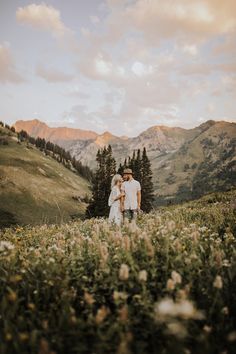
x=114 y=197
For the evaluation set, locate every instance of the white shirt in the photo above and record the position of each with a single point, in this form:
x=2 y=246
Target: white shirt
x=131 y=188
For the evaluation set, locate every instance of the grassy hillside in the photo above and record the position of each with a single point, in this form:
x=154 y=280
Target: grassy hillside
x=166 y=285
x=35 y=188
x=203 y=164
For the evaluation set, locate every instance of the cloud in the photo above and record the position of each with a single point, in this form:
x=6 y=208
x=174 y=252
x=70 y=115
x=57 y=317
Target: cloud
x=141 y=69
x=52 y=75
x=80 y=115
x=190 y=49
x=43 y=17
x=181 y=18
x=226 y=46
x=94 y=19
x=8 y=71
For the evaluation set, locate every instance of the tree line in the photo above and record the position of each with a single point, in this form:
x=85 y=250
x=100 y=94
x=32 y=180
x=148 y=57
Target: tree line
x=54 y=150
x=106 y=168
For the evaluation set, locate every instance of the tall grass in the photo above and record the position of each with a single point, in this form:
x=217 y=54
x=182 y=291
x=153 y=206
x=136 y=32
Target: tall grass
x=165 y=285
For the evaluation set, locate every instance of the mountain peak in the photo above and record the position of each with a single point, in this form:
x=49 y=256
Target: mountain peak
x=36 y=128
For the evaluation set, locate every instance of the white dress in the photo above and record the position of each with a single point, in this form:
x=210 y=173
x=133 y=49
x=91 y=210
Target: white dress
x=115 y=214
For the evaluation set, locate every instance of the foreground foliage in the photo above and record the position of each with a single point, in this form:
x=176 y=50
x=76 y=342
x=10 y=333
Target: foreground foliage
x=166 y=285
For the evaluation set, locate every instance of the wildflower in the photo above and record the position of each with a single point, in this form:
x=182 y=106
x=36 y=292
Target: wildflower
x=101 y=314
x=8 y=337
x=195 y=236
x=23 y=336
x=118 y=295
x=73 y=320
x=225 y=310
x=142 y=276
x=12 y=296
x=177 y=329
x=45 y=324
x=31 y=306
x=176 y=277
x=6 y=246
x=15 y=278
x=226 y=263
x=181 y=294
x=207 y=329
x=123 y=313
x=231 y=336
x=133 y=226
x=104 y=252
x=126 y=243
x=218 y=283
x=167 y=308
x=171 y=225
x=124 y=272
x=170 y=285
x=88 y=298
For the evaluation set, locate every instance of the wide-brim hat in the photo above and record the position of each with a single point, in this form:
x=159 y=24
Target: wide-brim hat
x=127 y=171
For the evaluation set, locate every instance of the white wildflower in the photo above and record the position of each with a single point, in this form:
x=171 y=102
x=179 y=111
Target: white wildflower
x=167 y=308
x=218 y=283
x=142 y=276
x=176 y=277
x=124 y=272
x=6 y=246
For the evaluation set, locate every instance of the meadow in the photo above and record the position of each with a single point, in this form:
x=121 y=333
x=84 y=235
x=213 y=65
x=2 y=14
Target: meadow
x=165 y=285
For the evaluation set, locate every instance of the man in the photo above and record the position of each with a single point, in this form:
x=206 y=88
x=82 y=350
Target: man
x=130 y=204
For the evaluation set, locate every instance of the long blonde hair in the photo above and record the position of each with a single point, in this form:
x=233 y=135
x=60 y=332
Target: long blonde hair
x=115 y=179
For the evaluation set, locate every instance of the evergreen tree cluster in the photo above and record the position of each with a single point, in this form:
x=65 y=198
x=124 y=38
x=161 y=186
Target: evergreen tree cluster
x=101 y=183
x=106 y=168
x=54 y=150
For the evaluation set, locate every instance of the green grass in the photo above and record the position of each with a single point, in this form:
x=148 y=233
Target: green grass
x=35 y=188
x=164 y=286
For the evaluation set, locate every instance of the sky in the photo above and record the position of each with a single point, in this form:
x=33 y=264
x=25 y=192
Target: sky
x=118 y=65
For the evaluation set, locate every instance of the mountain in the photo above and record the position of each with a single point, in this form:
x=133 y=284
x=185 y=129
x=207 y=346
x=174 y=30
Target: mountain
x=181 y=158
x=203 y=164
x=56 y=135
x=35 y=188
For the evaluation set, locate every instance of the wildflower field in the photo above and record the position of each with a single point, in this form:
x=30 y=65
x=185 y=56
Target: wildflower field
x=165 y=285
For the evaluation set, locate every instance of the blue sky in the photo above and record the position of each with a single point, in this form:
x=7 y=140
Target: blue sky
x=118 y=65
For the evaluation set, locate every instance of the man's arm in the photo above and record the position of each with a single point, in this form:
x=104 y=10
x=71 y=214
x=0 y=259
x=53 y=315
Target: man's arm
x=139 y=199
x=122 y=199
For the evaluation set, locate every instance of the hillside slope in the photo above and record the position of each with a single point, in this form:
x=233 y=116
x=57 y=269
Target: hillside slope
x=35 y=188
x=201 y=165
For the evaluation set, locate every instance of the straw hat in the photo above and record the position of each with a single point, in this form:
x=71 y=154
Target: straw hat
x=127 y=171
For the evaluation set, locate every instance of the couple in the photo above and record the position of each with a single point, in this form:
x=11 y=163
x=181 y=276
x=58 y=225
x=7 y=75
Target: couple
x=125 y=197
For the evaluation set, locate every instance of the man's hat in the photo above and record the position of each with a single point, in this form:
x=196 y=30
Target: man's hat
x=128 y=171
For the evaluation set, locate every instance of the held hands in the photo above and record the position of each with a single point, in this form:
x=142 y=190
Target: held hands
x=122 y=194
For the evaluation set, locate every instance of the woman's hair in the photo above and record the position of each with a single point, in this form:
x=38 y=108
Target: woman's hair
x=115 y=179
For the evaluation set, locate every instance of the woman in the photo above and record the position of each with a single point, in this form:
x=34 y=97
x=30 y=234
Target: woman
x=115 y=214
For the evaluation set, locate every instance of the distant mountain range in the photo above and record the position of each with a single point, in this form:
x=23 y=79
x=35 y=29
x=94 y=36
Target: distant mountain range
x=186 y=163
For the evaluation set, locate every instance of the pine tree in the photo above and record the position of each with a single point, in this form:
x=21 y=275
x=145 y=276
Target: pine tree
x=137 y=167
x=101 y=183
x=131 y=162
x=120 y=169
x=147 y=191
